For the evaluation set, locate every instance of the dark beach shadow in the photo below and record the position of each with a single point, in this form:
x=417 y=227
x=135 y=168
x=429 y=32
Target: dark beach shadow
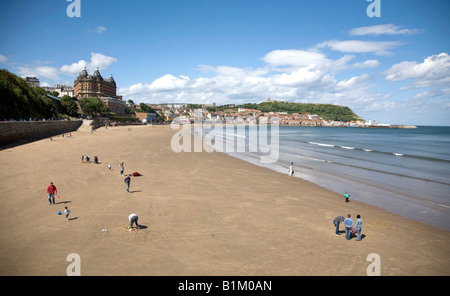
x=134 y=191
x=142 y=226
x=74 y=218
x=63 y=202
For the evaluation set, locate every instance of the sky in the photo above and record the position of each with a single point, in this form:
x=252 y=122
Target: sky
x=394 y=68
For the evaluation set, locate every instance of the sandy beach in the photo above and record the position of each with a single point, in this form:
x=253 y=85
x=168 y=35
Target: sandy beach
x=201 y=214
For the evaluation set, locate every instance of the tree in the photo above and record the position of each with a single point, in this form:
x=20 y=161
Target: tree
x=69 y=106
x=93 y=107
x=19 y=100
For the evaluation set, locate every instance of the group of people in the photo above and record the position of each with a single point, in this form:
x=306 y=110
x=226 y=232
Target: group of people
x=348 y=224
x=52 y=191
x=87 y=158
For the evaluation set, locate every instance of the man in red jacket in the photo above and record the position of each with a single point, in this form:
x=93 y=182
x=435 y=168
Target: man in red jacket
x=51 y=191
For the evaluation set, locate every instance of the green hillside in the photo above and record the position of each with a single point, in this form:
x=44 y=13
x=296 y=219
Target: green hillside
x=19 y=100
x=326 y=111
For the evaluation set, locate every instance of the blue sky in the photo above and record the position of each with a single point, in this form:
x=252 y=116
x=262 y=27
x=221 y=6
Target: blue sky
x=394 y=68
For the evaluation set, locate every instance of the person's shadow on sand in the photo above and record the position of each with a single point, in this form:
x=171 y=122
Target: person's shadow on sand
x=63 y=202
x=139 y=227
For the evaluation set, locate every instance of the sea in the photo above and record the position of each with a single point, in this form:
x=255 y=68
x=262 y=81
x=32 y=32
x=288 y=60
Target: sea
x=403 y=171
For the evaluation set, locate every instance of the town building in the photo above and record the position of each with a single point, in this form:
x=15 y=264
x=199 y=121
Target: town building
x=63 y=90
x=114 y=105
x=33 y=81
x=88 y=86
x=95 y=85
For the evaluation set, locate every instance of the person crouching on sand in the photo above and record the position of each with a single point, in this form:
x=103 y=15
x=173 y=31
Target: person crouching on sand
x=133 y=218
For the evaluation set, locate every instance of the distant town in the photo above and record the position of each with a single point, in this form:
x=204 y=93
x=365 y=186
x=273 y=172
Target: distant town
x=88 y=86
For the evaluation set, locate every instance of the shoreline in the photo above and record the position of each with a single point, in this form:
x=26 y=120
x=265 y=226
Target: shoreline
x=204 y=214
x=385 y=204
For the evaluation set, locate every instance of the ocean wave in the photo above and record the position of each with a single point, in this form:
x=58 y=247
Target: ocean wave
x=378 y=151
x=321 y=144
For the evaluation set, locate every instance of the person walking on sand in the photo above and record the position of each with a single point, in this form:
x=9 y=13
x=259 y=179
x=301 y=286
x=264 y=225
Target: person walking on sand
x=358 y=227
x=51 y=191
x=291 y=169
x=336 y=223
x=109 y=166
x=127 y=181
x=133 y=218
x=348 y=223
x=346 y=196
x=121 y=169
x=66 y=212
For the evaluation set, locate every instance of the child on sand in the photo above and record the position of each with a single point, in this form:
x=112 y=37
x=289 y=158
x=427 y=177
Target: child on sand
x=121 y=169
x=346 y=196
x=67 y=212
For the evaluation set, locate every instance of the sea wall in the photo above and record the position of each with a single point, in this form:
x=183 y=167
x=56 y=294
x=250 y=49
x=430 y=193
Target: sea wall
x=20 y=132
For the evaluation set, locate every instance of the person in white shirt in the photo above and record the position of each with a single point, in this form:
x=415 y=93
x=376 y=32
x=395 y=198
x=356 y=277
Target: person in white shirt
x=133 y=219
x=67 y=212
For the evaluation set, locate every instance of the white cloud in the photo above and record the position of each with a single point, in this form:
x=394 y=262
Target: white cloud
x=169 y=82
x=353 y=82
x=100 y=29
x=39 y=71
x=74 y=68
x=3 y=59
x=98 y=60
x=359 y=46
x=367 y=64
x=389 y=29
x=434 y=71
x=299 y=58
x=295 y=75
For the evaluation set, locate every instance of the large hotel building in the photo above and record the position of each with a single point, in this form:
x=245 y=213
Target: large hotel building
x=95 y=85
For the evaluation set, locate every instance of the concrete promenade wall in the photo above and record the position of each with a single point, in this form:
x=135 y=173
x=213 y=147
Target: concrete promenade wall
x=20 y=132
